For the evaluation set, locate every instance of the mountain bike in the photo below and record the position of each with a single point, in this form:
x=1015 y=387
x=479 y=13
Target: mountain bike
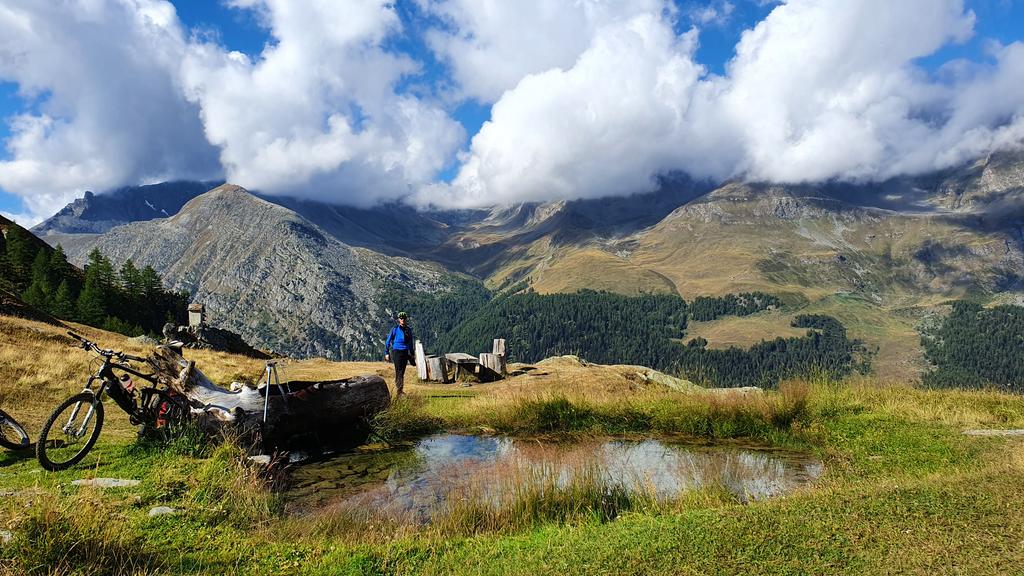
x=12 y=435
x=71 y=431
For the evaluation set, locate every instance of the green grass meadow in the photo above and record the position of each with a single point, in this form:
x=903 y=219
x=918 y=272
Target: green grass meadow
x=904 y=492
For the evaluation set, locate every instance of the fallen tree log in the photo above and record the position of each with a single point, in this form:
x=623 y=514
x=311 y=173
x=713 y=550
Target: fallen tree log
x=298 y=413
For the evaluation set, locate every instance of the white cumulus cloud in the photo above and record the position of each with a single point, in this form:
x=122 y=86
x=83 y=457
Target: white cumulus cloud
x=317 y=113
x=820 y=89
x=573 y=133
x=110 y=109
x=492 y=44
x=589 y=97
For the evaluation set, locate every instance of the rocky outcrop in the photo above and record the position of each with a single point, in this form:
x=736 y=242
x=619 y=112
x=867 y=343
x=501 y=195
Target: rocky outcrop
x=211 y=338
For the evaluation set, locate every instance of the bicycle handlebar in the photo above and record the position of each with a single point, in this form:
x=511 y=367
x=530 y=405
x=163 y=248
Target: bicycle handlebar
x=89 y=345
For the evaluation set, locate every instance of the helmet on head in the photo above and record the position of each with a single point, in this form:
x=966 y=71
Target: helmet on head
x=402 y=315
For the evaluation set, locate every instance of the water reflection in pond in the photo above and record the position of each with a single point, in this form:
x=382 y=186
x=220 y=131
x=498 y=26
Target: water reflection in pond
x=415 y=483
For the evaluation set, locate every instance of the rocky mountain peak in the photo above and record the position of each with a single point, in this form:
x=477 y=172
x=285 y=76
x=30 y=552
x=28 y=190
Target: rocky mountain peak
x=267 y=273
x=97 y=213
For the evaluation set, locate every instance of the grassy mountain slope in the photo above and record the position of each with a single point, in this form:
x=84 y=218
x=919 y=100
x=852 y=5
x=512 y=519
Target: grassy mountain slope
x=904 y=491
x=750 y=237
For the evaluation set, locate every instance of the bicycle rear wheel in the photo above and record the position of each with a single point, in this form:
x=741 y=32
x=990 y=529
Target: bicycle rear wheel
x=70 y=432
x=12 y=435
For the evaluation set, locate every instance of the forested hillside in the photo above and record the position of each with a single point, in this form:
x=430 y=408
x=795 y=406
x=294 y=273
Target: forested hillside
x=131 y=301
x=614 y=329
x=975 y=347
x=825 y=349
x=599 y=326
x=434 y=315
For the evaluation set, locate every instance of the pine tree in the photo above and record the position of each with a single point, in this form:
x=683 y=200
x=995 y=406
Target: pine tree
x=39 y=291
x=102 y=270
x=133 y=310
x=59 y=267
x=131 y=279
x=5 y=268
x=96 y=294
x=150 y=283
x=20 y=255
x=63 y=305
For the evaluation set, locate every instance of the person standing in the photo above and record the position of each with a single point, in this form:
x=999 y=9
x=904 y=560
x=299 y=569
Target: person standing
x=398 y=348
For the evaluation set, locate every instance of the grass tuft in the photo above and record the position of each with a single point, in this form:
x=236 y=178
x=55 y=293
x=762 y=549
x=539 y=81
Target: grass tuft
x=76 y=536
x=407 y=417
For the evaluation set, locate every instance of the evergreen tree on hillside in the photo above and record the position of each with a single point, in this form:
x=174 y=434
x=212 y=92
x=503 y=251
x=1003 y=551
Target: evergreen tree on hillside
x=5 y=268
x=133 y=306
x=20 y=254
x=39 y=291
x=130 y=301
x=59 y=268
x=977 y=347
x=90 y=306
x=63 y=303
x=149 y=282
x=97 y=292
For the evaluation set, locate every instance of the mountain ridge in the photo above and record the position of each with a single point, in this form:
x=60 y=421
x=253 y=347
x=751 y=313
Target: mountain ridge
x=909 y=243
x=267 y=273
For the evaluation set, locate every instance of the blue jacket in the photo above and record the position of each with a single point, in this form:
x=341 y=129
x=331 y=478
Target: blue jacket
x=399 y=339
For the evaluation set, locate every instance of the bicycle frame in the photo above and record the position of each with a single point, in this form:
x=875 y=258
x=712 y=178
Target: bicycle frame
x=108 y=381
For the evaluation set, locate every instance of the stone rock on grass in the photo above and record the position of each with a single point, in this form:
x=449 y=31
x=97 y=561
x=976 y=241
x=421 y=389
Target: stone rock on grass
x=144 y=340
x=106 y=482
x=161 y=511
x=984 y=432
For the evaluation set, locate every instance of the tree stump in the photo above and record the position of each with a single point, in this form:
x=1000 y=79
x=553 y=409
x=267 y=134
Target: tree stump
x=325 y=412
x=437 y=369
x=494 y=364
x=421 y=365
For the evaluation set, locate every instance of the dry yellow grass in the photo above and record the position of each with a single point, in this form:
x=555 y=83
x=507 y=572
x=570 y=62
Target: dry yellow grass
x=40 y=366
x=597 y=270
x=744 y=331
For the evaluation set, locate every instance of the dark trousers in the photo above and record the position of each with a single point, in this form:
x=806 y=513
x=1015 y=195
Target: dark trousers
x=401 y=358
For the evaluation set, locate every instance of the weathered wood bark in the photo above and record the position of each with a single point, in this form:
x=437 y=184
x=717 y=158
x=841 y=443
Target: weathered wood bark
x=498 y=347
x=421 y=365
x=322 y=412
x=437 y=369
x=493 y=362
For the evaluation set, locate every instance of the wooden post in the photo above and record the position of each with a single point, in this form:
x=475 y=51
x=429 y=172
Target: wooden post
x=421 y=362
x=498 y=347
x=493 y=362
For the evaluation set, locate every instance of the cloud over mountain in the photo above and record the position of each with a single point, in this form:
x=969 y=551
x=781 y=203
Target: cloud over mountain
x=110 y=109
x=589 y=98
x=820 y=89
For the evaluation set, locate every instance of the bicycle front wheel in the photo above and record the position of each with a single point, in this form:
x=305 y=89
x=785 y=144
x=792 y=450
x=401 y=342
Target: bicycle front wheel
x=70 y=432
x=12 y=435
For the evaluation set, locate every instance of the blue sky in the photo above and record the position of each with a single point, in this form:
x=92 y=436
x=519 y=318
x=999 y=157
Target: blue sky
x=241 y=30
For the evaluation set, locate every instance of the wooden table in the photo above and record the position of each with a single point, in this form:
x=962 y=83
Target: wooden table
x=466 y=363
